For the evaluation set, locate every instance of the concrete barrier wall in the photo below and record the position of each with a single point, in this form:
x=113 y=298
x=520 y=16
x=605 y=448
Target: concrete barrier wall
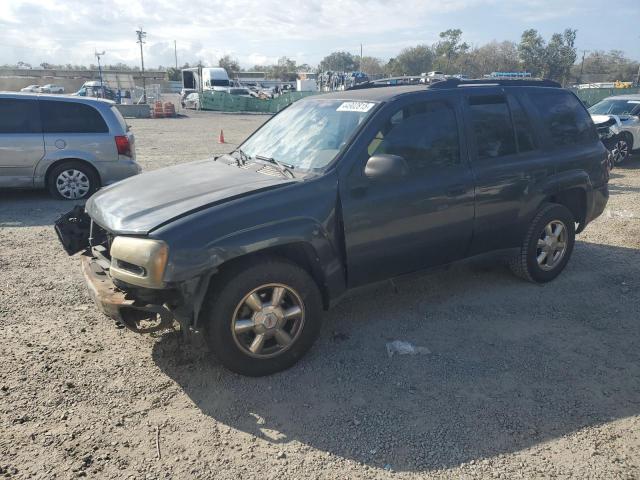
x=135 y=111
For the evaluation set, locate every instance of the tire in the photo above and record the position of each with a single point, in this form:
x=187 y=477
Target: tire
x=82 y=180
x=620 y=149
x=229 y=301
x=526 y=264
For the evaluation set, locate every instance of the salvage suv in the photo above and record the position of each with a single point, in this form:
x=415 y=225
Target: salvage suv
x=334 y=192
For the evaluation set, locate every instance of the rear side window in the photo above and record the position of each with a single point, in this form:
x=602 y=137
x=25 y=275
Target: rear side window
x=425 y=134
x=522 y=126
x=563 y=116
x=19 y=116
x=492 y=126
x=71 y=117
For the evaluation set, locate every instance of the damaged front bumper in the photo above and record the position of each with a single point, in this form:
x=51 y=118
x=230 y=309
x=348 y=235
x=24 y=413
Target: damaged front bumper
x=137 y=316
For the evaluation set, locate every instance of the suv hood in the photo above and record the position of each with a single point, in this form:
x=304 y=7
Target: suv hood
x=143 y=202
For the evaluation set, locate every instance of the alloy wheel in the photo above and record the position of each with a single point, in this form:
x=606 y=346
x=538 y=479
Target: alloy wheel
x=552 y=245
x=620 y=151
x=268 y=321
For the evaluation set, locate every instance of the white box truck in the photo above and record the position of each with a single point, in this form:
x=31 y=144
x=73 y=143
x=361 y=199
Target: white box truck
x=205 y=78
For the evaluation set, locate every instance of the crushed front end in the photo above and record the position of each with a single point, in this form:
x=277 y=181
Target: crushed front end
x=146 y=307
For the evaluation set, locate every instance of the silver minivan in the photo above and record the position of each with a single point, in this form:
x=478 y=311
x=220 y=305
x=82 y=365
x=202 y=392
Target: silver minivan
x=70 y=145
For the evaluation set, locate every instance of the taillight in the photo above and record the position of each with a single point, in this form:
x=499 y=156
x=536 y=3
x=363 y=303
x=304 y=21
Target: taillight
x=123 y=145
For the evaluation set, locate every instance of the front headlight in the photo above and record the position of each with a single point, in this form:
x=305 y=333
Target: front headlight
x=139 y=261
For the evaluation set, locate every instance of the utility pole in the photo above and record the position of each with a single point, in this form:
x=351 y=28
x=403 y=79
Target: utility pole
x=360 y=57
x=175 y=52
x=584 y=52
x=141 y=35
x=98 y=55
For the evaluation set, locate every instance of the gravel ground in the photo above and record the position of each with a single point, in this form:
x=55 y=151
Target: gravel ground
x=521 y=381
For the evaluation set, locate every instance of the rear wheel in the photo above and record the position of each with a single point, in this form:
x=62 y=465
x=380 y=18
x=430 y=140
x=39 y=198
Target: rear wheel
x=73 y=180
x=261 y=318
x=547 y=245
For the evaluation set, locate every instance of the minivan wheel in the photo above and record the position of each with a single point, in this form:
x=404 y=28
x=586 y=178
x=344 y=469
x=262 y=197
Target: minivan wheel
x=547 y=245
x=261 y=318
x=72 y=180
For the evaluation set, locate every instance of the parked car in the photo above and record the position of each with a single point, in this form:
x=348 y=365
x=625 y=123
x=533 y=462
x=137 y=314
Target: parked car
x=334 y=192
x=51 y=88
x=192 y=101
x=618 y=122
x=31 y=88
x=432 y=77
x=96 y=89
x=72 y=146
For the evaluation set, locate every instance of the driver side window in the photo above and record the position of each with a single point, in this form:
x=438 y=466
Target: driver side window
x=425 y=134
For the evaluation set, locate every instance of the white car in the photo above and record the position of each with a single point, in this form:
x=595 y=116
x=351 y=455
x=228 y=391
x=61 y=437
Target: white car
x=192 y=101
x=31 y=88
x=621 y=114
x=51 y=88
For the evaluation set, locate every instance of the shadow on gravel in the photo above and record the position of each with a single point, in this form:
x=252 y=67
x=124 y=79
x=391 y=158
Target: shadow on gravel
x=31 y=208
x=512 y=365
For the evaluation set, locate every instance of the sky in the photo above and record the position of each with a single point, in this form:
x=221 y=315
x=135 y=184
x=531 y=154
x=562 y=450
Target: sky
x=258 y=32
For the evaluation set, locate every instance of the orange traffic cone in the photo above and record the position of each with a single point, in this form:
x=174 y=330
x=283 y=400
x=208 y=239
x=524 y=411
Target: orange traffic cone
x=221 y=137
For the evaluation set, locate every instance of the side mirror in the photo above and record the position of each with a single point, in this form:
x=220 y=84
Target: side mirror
x=389 y=166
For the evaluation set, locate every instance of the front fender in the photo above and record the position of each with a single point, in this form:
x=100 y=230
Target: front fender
x=299 y=214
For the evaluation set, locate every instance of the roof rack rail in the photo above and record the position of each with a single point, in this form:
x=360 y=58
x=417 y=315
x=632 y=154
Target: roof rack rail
x=456 y=82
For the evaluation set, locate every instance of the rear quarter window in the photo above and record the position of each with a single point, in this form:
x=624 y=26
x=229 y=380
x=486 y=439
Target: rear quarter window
x=564 y=118
x=71 y=117
x=19 y=116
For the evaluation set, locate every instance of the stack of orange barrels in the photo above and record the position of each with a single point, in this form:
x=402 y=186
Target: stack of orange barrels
x=158 y=111
x=169 y=110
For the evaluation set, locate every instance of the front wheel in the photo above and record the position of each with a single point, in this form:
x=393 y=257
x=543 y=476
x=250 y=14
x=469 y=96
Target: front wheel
x=261 y=318
x=547 y=245
x=620 y=149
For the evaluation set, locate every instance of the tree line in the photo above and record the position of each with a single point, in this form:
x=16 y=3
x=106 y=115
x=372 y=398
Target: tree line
x=555 y=59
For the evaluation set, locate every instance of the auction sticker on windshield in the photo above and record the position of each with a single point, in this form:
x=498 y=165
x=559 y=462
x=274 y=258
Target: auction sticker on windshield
x=355 y=107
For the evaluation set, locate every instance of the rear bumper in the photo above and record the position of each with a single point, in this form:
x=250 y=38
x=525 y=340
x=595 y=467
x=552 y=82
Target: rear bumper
x=118 y=305
x=111 y=172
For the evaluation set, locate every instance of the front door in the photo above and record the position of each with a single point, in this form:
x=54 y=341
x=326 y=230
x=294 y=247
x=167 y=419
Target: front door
x=425 y=218
x=21 y=141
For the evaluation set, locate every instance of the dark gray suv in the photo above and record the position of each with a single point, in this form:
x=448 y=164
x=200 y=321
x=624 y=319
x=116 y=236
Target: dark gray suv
x=70 y=145
x=334 y=192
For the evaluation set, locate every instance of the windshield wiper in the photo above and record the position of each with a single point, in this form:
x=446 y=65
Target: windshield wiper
x=284 y=169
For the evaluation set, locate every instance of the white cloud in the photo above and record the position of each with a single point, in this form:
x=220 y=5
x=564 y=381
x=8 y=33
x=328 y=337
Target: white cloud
x=260 y=31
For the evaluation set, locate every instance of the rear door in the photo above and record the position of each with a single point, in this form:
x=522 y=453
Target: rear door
x=21 y=142
x=507 y=162
x=74 y=128
x=402 y=224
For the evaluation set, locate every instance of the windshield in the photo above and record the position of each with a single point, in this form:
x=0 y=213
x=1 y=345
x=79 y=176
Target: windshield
x=615 y=107
x=310 y=133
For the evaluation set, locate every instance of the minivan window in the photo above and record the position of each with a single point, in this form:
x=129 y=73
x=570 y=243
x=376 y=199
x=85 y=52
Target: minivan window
x=492 y=126
x=19 y=116
x=424 y=134
x=71 y=117
x=564 y=117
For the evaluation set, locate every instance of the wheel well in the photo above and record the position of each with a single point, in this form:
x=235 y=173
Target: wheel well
x=301 y=254
x=575 y=199
x=629 y=138
x=63 y=160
